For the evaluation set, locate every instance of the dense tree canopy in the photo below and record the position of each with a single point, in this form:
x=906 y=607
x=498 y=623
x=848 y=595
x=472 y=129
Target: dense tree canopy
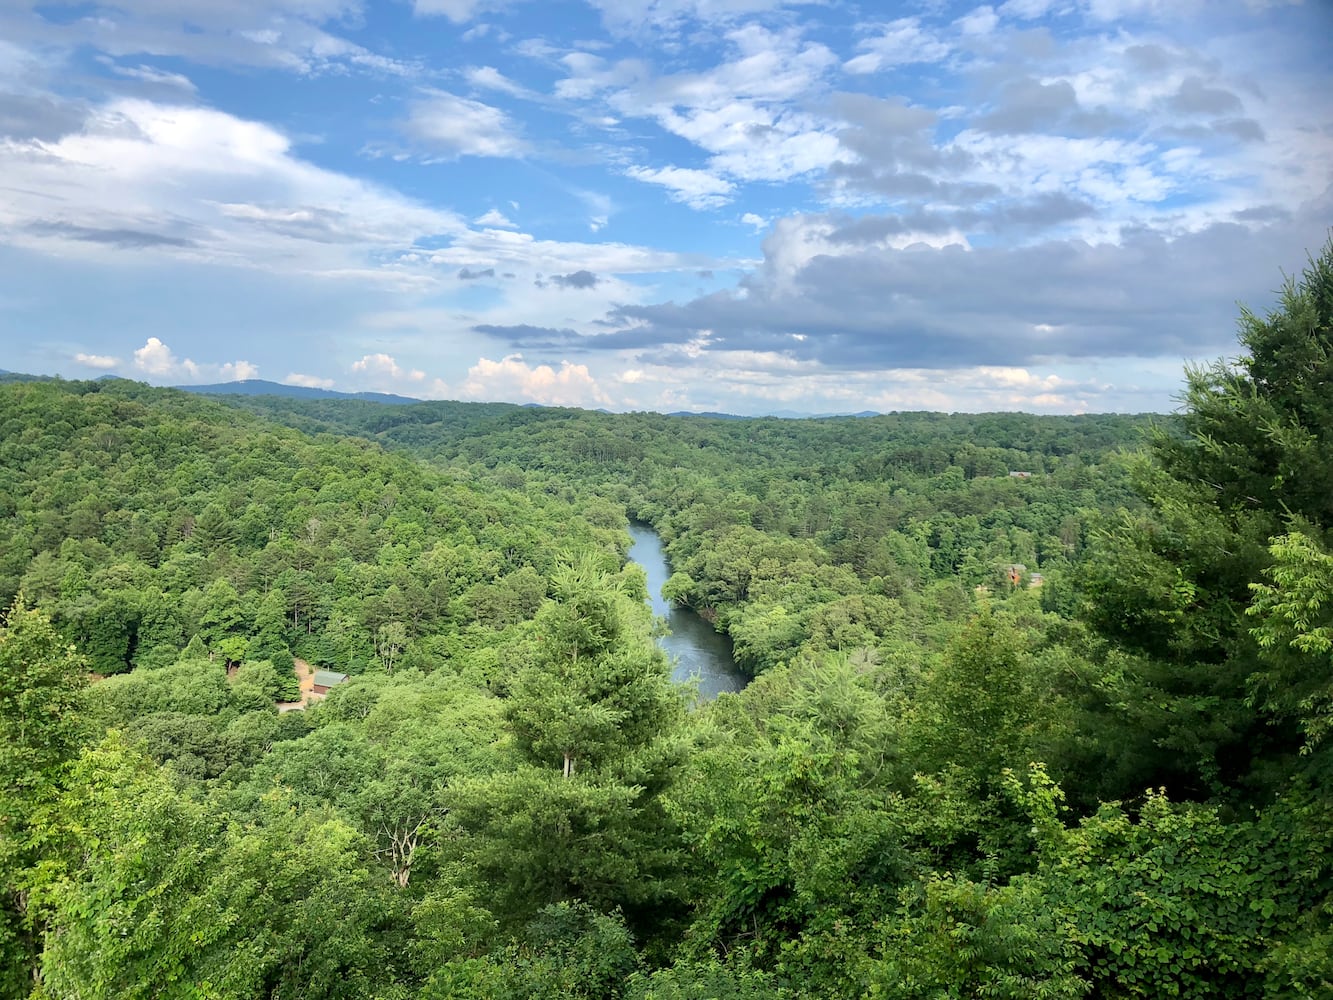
x=1059 y=734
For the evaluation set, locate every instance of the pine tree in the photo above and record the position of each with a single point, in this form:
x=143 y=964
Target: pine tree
x=1172 y=585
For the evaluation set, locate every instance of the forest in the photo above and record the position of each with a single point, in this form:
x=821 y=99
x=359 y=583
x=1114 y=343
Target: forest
x=1040 y=706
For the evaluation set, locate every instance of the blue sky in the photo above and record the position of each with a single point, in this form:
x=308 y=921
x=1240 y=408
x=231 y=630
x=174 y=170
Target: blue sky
x=742 y=205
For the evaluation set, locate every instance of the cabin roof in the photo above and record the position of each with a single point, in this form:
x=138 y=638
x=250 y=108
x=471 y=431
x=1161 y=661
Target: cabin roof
x=328 y=678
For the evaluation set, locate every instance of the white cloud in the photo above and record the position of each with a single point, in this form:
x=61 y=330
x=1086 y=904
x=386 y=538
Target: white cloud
x=152 y=75
x=308 y=381
x=492 y=79
x=239 y=371
x=454 y=126
x=757 y=222
x=385 y=365
x=494 y=218
x=899 y=43
x=457 y=11
x=633 y=16
x=202 y=185
x=981 y=21
x=764 y=381
x=512 y=378
x=280 y=34
x=103 y=361
x=517 y=251
x=744 y=111
x=696 y=188
x=155 y=358
x=1028 y=10
x=1114 y=10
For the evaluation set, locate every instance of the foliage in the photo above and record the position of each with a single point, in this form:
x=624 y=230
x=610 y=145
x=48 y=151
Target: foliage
x=934 y=786
x=1296 y=629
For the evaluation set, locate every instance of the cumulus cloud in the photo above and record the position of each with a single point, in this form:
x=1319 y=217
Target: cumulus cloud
x=239 y=371
x=1196 y=97
x=308 y=381
x=201 y=185
x=103 y=361
x=158 y=360
x=744 y=113
x=458 y=11
x=494 y=218
x=898 y=43
x=633 y=16
x=385 y=366
x=858 y=306
x=288 y=35
x=513 y=378
x=696 y=188
x=981 y=21
x=578 y=279
x=450 y=126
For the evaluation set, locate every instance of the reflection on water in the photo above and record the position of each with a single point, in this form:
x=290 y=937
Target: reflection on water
x=693 y=646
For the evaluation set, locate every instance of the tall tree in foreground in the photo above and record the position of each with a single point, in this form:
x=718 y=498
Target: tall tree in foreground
x=1172 y=586
x=593 y=716
x=41 y=677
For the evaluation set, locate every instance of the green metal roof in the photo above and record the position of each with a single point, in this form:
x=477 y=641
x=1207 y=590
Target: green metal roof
x=328 y=678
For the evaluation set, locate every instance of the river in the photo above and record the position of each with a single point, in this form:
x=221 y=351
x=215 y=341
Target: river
x=694 y=648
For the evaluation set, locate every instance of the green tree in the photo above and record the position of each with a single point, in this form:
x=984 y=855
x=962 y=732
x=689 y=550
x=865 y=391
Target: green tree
x=169 y=899
x=41 y=678
x=41 y=681
x=213 y=528
x=1172 y=584
x=1295 y=616
x=593 y=718
x=598 y=687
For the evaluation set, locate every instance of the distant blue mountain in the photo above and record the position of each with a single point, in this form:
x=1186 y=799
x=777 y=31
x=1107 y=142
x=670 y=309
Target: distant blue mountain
x=263 y=387
x=708 y=413
x=781 y=414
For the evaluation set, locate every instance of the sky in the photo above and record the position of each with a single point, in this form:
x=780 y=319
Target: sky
x=753 y=206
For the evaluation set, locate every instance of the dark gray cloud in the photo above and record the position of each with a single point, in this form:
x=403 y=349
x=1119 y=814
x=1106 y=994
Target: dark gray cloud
x=464 y=274
x=578 y=279
x=1196 y=98
x=1148 y=296
x=39 y=116
x=1040 y=212
x=893 y=134
x=1028 y=105
x=527 y=336
x=894 y=153
x=1151 y=58
x=896 y=184
x=1244 y=129
x=125 y=239
x=1262 y=213
x=1227 y=130
x=302 y=222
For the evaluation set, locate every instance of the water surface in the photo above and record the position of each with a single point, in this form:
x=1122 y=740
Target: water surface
x=694 y=648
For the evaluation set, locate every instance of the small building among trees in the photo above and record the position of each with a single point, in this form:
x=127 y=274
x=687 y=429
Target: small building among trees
x=325 y=679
